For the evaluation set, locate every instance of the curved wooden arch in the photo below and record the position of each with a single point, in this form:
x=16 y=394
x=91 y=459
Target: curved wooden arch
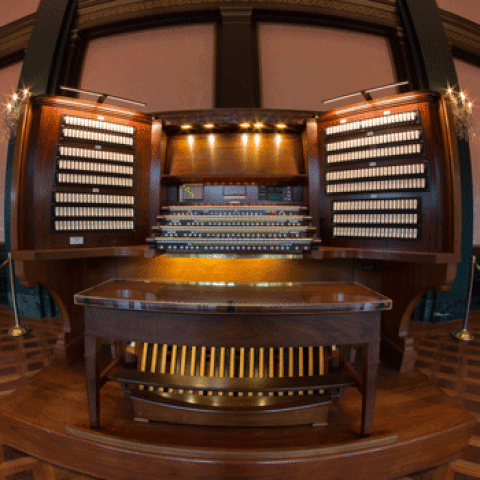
x=463 y=35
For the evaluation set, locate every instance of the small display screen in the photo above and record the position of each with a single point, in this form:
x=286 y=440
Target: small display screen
x=234 y=190
x=191 y=193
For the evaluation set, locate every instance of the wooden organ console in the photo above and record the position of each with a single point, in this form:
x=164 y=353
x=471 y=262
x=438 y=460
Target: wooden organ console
x=368 y=193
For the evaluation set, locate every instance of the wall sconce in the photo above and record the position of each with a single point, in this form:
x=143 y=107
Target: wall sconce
x=12 y=112
x=462 y=109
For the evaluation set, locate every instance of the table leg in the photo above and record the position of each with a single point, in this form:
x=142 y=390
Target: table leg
x=92 y=374
x=119 y=351
x=371 y=352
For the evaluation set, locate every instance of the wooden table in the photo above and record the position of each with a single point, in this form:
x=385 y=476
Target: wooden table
x=233 y=315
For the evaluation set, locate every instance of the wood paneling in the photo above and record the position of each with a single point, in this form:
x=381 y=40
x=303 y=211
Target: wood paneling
x=242 y=154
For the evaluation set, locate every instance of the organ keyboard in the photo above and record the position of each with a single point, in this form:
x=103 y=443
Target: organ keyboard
x=234 y=229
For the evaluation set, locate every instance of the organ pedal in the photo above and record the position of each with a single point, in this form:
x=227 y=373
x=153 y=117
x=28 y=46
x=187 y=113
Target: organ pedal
x=226 y=386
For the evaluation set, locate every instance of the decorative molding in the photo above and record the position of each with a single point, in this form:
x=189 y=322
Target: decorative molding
x=462 y=34
x=465 y=43
x=14 y=38
x=234 y=116
x=94 y=15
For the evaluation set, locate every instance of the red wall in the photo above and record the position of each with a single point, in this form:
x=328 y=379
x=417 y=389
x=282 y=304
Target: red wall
x=301 y=65
x=168 y=68
x=464 y=8
x=11 y=10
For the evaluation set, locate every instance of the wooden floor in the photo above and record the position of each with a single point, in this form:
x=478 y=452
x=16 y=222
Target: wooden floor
x=431 y=427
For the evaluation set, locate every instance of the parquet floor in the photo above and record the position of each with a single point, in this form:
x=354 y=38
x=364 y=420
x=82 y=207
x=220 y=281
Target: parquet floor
x=452 y=365
x=20 y=359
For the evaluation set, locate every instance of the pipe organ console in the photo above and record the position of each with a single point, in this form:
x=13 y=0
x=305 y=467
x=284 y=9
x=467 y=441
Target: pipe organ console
x=367 y=193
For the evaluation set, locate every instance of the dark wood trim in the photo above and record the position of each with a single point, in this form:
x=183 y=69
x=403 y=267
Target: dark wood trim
x=429 y=48
x=73 y=63
x=434 y=69
x=115 y=16
x=402 y=59
x=330 y=19
x=157 y=160
x=128 y=23
x=313 y=167
x=237 y=79
x=463 y=36
x=14 y=40
x=373 y=441
x=46 y=47
x=93 y=15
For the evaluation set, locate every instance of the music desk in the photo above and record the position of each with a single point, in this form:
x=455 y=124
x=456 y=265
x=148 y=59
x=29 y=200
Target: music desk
x=234 y=315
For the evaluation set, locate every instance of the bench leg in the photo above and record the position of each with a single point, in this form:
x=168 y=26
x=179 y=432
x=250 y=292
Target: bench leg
x=369 y=387
x=92 y=374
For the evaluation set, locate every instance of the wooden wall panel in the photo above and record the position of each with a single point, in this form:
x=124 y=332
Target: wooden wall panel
x=235 y=154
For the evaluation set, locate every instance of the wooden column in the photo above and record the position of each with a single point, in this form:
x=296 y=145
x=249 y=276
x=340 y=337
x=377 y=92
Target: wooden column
x=434 y=70
x=431 y=53
x=40 y=73
x=74 y=55
x=237 y=82
x=47 y=45
x=402 y=60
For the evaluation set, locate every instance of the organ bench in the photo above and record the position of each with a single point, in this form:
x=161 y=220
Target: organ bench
x=234 y=319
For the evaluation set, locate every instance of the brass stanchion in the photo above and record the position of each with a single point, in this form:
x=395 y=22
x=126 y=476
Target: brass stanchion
x=17 y=330
x=462 y=333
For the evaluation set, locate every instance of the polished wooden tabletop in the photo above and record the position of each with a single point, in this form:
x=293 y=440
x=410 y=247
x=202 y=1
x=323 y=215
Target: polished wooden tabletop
x=308 y=297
